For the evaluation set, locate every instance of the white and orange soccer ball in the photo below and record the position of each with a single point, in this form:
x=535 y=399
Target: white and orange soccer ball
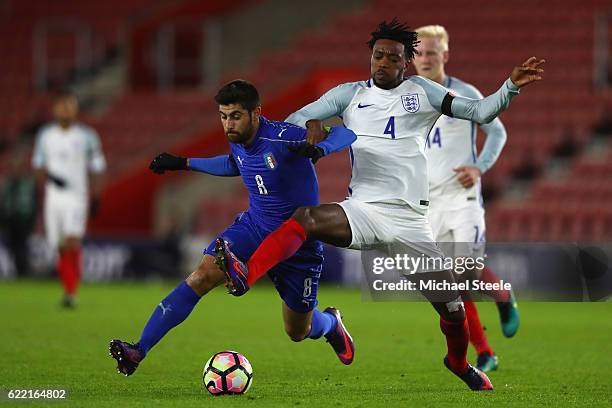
x=227 y=372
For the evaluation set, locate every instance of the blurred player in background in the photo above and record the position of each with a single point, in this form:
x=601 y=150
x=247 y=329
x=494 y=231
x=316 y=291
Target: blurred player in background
x=268 y=156
x=18 y=207
x=389 y=191
x=456 y=212
x=68 y=159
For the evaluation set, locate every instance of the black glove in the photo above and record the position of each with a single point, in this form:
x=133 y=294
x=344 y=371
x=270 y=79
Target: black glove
x=94 y=206
x=308 y=150
x=167 y=161
x=58 y=181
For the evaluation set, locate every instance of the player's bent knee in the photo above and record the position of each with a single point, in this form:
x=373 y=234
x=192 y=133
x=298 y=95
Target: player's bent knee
x=304 y=215
x=70 y=243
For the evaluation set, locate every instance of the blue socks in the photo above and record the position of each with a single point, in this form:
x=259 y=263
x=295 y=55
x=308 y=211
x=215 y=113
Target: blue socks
x=170 y=312
x=179 y=303
x=322 y=324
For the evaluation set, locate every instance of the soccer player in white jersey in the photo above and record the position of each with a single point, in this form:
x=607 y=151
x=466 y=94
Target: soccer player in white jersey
x=68 y=158
x=456 y=212
x=389 y=190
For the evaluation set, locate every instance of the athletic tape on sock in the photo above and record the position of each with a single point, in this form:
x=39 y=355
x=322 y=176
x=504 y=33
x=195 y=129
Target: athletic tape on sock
x=455 y=305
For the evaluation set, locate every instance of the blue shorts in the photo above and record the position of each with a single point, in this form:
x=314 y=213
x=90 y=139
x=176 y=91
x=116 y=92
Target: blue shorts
x=295 y=279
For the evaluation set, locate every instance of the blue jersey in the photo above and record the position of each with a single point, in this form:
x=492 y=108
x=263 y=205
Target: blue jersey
x=278 y=180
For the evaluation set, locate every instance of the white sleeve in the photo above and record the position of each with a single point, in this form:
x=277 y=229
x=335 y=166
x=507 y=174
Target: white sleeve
x=485 y=110
x=39 y=157
x=494 y=143
x=477 y=110
x=332 y=103
x=95 y=156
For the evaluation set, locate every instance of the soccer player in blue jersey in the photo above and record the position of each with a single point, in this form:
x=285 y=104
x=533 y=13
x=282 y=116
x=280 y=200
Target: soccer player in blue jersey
x=389 y=190
x=276 y=166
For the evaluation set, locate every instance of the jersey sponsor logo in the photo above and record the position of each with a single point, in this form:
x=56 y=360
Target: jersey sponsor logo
x=411 y=103
x=271 y=162
x=361 y=106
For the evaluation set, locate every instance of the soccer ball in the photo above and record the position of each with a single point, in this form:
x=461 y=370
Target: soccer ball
x=227 y=372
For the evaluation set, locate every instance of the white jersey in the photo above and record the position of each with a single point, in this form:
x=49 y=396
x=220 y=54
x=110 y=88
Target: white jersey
x=388 y=159
x=69 y=154
x=452 y=143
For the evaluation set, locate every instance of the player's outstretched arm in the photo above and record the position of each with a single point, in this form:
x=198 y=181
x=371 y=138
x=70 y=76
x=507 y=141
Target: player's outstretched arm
x=217 y=166
x=481 y=110
x=330 y=104
x=487 y=109
x=224 y=166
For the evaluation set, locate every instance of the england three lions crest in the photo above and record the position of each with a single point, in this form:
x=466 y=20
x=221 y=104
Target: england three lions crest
x=411 y=102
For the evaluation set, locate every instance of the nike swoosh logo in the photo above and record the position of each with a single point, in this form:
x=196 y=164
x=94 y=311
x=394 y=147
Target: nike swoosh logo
x=236 y=266
x=360 y=106
x=348 y=354
x=281 y=132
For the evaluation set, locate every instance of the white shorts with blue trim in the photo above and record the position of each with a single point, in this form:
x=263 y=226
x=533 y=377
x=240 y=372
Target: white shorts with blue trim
x=392 y=228
x=460 y=232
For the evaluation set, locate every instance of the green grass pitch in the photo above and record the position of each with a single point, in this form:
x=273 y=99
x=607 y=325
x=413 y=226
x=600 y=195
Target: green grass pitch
x=561 y=355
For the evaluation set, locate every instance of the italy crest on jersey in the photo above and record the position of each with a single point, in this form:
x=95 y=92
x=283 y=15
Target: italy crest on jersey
x=270 y=161
x=411 y=102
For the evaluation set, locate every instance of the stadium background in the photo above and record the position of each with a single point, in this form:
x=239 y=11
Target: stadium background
x=145 y=72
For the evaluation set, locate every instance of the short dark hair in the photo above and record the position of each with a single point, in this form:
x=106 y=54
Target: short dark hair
x=64 y=93
x=240 y=92
x=396 y=31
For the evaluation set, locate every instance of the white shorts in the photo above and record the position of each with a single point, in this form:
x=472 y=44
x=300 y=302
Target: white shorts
x=391 y=228
x=64 y=217
x=459 y=232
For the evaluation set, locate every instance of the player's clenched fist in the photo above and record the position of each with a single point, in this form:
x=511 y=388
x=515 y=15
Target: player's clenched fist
x=315 y=132
x=528 y=72
x=167 y=161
